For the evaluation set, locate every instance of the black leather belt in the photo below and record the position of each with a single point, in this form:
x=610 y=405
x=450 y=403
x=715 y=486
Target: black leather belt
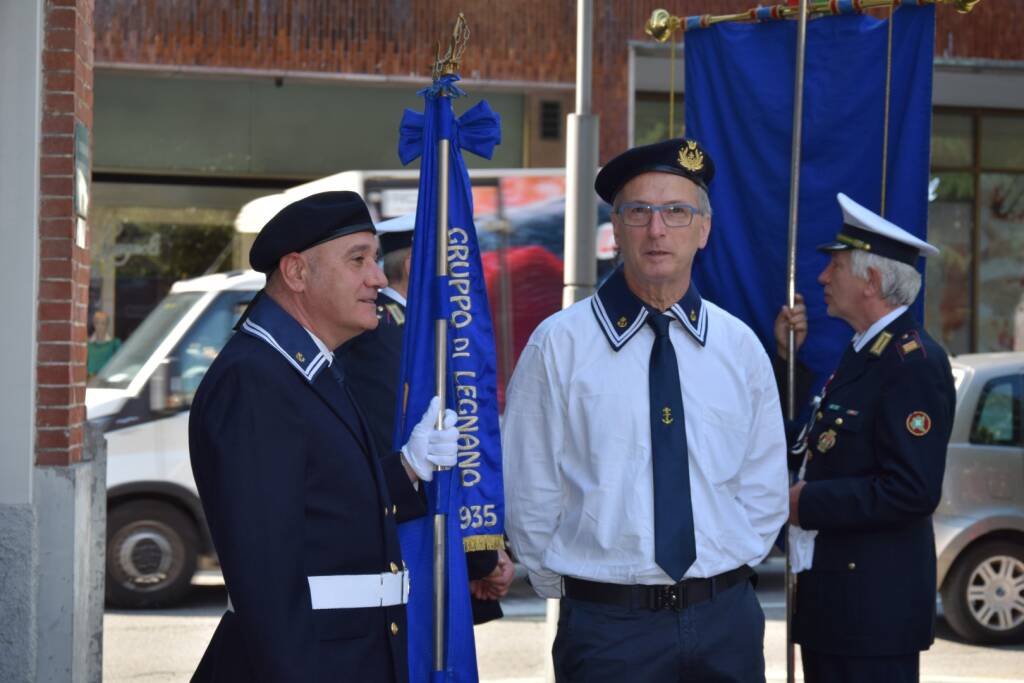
x=676 y=596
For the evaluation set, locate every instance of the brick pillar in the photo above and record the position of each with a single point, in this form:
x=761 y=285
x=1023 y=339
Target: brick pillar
x=63 y=236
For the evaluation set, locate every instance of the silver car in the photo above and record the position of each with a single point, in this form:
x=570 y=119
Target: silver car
x=979 y=525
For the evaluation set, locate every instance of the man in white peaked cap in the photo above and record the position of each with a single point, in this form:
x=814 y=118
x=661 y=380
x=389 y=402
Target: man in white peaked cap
x=874 y=457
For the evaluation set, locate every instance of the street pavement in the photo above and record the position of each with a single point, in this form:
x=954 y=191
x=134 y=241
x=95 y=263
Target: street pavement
x=165 y=645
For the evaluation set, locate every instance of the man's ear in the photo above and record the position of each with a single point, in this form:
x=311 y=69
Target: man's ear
x=294 y=271
x=407 y=265
x=874 y=286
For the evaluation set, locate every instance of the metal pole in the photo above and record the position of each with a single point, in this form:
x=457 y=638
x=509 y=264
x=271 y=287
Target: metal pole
x=580 y=273
x=794 y=207
x=888 y=97
x=440 y=387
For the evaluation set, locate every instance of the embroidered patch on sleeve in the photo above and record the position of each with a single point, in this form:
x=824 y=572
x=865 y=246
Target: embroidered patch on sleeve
x=918 y=423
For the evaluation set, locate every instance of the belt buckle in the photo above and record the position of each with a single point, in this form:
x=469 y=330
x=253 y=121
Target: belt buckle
x=669 y=597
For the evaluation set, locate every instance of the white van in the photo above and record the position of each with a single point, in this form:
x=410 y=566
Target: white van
x=140 y=399
x=156 y=533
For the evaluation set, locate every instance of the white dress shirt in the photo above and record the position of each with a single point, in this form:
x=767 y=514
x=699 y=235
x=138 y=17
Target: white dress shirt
x=394 y=295
x=576 y=443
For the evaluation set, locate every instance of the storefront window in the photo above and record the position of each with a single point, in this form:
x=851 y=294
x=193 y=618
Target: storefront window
x=1002 y=142
x=650 y=118
x=952 y=140
x=1001 y=260
x=151 y=249
x=974 y=296
x=948 y=275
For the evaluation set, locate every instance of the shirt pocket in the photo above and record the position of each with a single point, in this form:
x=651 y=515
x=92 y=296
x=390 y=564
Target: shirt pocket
x=723 y=444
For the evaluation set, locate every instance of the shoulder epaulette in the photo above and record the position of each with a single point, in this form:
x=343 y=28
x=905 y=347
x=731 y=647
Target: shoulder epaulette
x=883 y=340
x=909 y=344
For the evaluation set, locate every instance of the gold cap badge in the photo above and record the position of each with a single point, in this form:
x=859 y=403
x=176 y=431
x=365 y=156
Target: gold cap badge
x=691 y=158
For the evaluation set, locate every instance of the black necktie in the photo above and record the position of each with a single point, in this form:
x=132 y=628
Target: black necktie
x=675 y=548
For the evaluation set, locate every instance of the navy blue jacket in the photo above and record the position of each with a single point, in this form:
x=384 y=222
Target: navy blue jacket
x=877 y=453
x=292 y=487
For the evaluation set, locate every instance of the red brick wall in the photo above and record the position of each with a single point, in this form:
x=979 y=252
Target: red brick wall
x=64 y=266
x=524 y=40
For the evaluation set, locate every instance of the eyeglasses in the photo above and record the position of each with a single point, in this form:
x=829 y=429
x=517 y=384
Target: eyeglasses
x=638 y=214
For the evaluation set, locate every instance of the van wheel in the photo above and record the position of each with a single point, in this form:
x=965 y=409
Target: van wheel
x=983 y=597
x=151 y=554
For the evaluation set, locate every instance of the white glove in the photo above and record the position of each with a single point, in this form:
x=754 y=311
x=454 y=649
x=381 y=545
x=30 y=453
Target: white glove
x=428 y=447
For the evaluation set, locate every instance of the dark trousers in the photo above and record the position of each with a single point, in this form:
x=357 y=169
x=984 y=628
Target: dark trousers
x=721 y=639
x=820 y=667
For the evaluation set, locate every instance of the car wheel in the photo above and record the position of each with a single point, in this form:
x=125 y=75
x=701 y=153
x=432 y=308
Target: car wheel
x=983 y=597
x=151 y=554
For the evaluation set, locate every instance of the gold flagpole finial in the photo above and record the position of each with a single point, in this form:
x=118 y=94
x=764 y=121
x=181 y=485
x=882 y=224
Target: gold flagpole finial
x=661 y=25
x=448 y=63
x=965 y=6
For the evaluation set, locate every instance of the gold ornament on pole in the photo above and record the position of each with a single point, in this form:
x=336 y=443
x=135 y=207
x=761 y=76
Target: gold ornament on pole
x=662 y=23
x=448 y=63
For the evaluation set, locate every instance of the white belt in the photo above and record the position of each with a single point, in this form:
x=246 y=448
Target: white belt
x=348 y=591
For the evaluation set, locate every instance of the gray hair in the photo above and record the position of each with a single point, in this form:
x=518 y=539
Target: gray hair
x=900 y=281
x=703 y=201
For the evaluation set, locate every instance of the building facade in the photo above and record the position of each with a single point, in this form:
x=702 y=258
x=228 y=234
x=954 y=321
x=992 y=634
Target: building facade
x=203 y=105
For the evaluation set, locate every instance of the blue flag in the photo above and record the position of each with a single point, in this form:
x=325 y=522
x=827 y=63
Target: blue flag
x=739 y=105
x=471 y=494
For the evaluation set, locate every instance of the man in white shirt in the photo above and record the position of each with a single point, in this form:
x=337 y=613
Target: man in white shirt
x=644 y=451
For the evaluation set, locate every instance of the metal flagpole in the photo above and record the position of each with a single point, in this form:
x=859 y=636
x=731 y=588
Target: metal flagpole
x=794 y=207
x=444 y=65
x=888 y=97
x=440 y=387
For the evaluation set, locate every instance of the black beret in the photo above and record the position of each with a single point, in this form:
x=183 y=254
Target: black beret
x=678 y=156
x=306 y=223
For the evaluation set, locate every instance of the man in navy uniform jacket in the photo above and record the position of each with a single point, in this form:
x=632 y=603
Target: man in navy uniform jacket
x=875 y=456
x=302 y=511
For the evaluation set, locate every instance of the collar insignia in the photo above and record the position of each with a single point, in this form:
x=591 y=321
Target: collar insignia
x=691 y=158
x=615 y=302
x=269 y=323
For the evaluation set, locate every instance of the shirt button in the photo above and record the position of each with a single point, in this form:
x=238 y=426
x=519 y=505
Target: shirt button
x=851 y=566
x=394 y=509
x=839 y=420
x=394 y=568
x=385 y=510
x=394 y=629
x=818 y=415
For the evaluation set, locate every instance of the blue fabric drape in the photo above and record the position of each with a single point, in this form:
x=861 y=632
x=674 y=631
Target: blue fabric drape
x=739 y=105
x=471 y=494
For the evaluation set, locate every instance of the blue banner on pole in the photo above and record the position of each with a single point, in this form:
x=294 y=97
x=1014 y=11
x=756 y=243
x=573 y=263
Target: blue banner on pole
x=471 y=495
x=739 y=105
